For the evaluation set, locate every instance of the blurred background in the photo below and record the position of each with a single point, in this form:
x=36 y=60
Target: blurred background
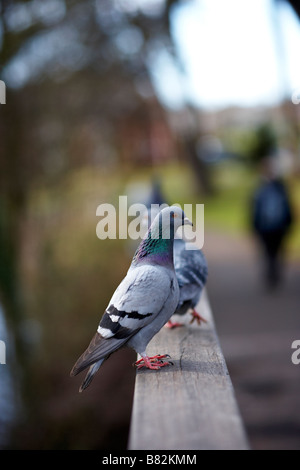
x=103 y=97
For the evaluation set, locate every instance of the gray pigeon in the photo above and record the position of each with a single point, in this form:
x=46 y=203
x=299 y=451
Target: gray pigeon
x=143 y=302
x=191 y=271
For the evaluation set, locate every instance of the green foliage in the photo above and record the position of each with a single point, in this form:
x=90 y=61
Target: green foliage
x=263 y=144
x=250 y=144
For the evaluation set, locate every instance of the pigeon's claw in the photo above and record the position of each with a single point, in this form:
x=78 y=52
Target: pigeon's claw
x=196 y=316
x=171 y=324
x=154 y=362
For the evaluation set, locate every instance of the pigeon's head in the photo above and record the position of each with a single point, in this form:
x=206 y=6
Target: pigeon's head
x=167 y=221
x=157 y=246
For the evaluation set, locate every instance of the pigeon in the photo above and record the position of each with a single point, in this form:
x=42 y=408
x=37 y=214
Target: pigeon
x=191 y=271
x=190 y=268
x=142 y=303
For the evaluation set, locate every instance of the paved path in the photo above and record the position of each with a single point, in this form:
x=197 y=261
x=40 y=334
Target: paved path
x=256 y=328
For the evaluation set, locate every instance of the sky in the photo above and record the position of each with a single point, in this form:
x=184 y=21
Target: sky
x=238 y=52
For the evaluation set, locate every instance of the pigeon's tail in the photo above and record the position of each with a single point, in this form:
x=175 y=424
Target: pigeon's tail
x=98 y=350
x=90 y=375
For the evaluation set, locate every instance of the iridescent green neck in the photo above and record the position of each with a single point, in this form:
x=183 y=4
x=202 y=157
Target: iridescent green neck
x=155 y=251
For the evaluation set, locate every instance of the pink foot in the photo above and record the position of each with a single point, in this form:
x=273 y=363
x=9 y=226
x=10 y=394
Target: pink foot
x=154 y=362
x=196 y=316
x=170 y=324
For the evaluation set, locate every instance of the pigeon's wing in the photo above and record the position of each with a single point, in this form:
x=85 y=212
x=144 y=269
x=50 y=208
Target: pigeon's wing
x=190 y=267
x=96 y=351
x=191 y=271
x=135 y=303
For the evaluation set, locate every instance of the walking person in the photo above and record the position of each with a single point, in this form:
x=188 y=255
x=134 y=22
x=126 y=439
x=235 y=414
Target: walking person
x=271 y=220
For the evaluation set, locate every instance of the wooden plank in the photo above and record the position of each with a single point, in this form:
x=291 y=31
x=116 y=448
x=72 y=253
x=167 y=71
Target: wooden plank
x=190 y=405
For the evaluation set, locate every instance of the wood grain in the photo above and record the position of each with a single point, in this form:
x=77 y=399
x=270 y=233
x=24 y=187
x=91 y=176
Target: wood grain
x=191 y=404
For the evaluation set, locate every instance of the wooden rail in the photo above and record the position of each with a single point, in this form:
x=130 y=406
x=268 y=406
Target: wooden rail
x=190 y=405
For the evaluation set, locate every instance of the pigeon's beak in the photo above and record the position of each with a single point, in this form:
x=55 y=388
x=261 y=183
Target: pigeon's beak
x=187 y=221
